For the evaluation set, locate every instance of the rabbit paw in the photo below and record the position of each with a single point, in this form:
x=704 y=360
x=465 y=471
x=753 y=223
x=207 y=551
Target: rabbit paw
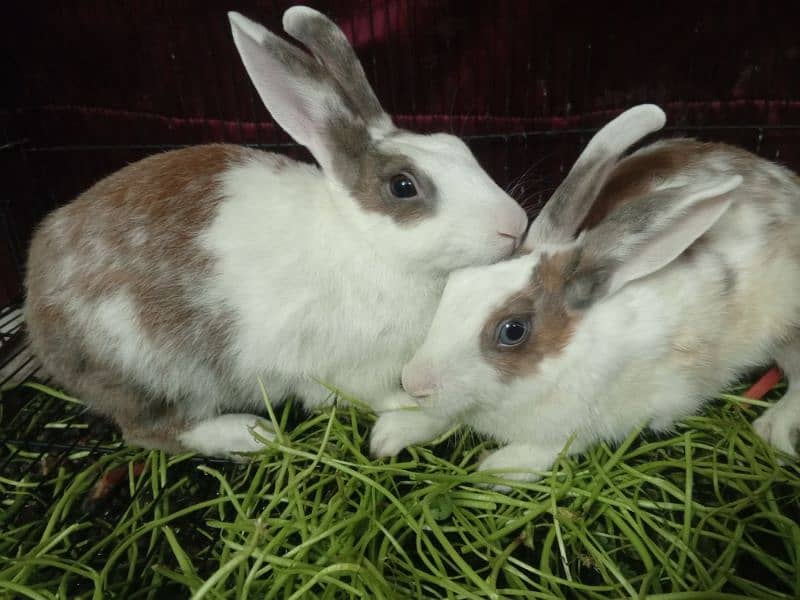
x=517 y=462
x=397 y=429
x=780 y=425
x=226 y=436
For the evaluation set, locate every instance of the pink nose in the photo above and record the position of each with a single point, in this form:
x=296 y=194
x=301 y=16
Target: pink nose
x=513 y=223
x=419 y=381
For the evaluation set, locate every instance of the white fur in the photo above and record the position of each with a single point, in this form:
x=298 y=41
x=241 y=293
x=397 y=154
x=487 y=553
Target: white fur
x=226 y=435
x=348 y=292
x=255 y=30
x=295 y=15
x=313 y=312
x=625 y=130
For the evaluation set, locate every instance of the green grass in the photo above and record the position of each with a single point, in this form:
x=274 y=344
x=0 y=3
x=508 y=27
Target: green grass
x=708 y=513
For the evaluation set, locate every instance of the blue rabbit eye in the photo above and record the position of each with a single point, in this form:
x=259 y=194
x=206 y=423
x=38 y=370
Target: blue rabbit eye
x=402 y=186
x=513 y=332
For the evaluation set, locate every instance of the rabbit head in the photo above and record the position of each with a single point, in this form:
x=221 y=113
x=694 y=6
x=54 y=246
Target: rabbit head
x=422 y=199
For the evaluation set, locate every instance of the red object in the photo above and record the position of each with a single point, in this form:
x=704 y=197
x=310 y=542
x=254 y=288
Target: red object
x=111 y=480
x=768 y=381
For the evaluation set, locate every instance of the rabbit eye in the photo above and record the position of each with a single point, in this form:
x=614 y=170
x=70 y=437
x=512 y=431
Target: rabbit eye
x=402 y=186
x=513 y=332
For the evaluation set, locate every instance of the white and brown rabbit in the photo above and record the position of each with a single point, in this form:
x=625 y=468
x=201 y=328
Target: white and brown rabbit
x=164 y=293
x=692 y=279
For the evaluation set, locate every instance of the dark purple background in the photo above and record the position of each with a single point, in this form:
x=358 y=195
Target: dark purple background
x=90 y=86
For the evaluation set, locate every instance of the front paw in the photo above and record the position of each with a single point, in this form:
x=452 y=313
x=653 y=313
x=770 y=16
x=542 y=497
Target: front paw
x=780 y=426
x=517 y=462
x=227 y=436
x=398 y=429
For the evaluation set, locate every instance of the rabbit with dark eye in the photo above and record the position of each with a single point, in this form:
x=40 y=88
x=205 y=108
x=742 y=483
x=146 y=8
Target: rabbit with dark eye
x=691 y=280
x=166 y=292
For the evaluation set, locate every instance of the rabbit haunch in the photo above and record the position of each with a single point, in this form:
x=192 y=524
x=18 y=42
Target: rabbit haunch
x=164 y=293
x=691 y=280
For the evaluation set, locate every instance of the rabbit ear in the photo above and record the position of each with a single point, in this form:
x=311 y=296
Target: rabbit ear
x=330 y=47
x=570 y=203
x=298 y=91
x=643 y=236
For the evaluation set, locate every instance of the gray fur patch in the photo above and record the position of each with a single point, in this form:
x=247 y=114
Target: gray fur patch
x=371 y=187
x=572 y=201
x=562 y=205
x=585 y=288
x=348 y=142
x=366 y=172
x=297 y=62
x=729 y=276
x=620 y=233
x=330 y=46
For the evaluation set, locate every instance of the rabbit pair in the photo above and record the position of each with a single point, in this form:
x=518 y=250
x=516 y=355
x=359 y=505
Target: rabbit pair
x=164 y=294
x=692 y=279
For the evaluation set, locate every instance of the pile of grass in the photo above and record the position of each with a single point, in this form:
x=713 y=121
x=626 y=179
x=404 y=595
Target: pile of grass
x=708 y=513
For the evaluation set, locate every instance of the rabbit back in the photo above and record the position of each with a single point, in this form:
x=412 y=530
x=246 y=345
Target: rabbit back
x=116 y=279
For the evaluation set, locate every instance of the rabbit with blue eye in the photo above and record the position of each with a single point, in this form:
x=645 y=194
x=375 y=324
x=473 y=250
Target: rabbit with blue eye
x=691 y=280
x=168 y=291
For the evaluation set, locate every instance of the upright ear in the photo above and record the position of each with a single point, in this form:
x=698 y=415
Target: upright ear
x=298 y=91
x=644 y=235
x=559 y=220
x=330 y=47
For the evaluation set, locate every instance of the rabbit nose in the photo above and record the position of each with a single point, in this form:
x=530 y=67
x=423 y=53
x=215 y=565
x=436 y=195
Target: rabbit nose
x=514 y=224
x=419 y=382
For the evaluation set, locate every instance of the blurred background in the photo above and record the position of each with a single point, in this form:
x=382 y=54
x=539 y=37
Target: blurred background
x=91 y=86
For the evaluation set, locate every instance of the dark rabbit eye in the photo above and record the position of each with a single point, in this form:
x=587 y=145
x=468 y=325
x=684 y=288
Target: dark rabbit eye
x=402 y=186
x=513 y=332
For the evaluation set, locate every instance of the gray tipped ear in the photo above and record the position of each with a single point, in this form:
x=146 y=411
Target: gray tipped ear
x=330 y=47
x=299 y=93
x=562 y=215
x=645 y=235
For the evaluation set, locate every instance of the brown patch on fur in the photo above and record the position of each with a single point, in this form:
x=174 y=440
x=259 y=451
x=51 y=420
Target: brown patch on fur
x=371 y=190
x=542 y=303
x=160 y=432
x=637 y=174
x=554 y=270
x=135 y=231
x=349 y=141
x=152 y=213
x=366 y=172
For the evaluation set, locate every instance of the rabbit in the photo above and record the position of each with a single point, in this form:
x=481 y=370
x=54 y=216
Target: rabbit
x=690 y=280
x=166 y=294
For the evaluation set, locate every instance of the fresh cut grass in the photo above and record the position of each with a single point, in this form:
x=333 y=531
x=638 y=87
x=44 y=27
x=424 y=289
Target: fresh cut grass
x=708 y=513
